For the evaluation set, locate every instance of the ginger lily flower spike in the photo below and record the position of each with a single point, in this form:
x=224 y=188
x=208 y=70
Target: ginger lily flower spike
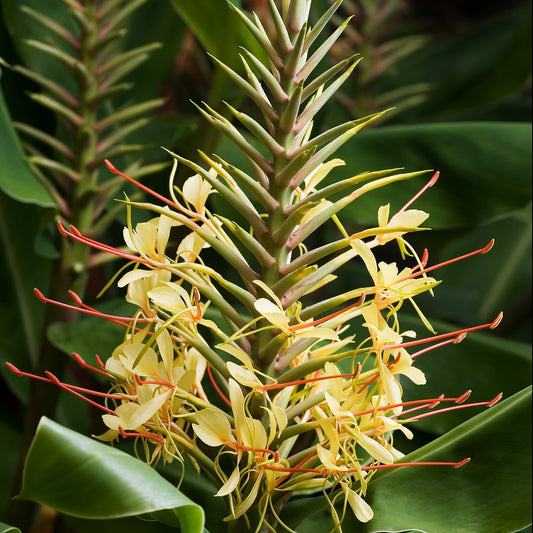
x=278 y=398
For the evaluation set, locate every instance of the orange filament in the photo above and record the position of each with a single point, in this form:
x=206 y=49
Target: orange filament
x=323 y=319
x=140 y=185
x=310 y=380
x=490 y=325
x=216 y=387
x=483 y=250
x=83 y=364
x=324 y=471
x=490 y=403
x=429 y=184
x=156 y=438
x=87 y=310
x=77 y=236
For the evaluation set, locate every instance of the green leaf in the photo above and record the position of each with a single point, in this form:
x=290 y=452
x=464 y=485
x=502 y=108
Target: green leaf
x=471 y=71
x=485 y=170
x=221 y=38
x=144 y=524
x=491 y=494
x=16 y=178
x=87 y=479
x=4 y=528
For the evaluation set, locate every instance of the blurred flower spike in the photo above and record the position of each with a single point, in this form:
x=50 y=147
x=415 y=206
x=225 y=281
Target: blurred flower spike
x=246 y=364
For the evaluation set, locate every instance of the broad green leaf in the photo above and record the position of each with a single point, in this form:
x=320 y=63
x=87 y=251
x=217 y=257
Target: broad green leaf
x=16 y=178
x=473 y=70
x=218 y=28
x=492 y=493
x=134 y=524
x=87 y=479
x=485 y=170
x=4 y=528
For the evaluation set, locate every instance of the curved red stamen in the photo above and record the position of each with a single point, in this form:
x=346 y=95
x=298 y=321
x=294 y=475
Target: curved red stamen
x=421 y=463
x=18 y=372
x=489 y=325
x=114 y=170
x=429 y=184
x=83 y=364
x=332 y=315
x=70 y=388
x=238 y=446
x=86 y=309
x=324 y=471
x=490 y=403
x=162 y=383
x=483 y=250
x=216 y=387
x=455 y=340
x=76 y=235
x=156 y=438
x=423 y=261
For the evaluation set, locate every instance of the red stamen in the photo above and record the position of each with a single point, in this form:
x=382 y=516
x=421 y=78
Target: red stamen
x=83 y=364
x=324 y=471
x=216 y=387
x=238 y=446
x=376 y=377
x=490 y=325
x=310 y=380
x=156 y=438
x=323 y=319
x=123 y=321
x=18 y=372
x=302 y=462
x=99 y=361
x=423 y=261
x=483 y=250
x=456 y=340
x=495 y=400
x=464 y=397
x=423 y=404
x=491 y=403
x=431 y=405
x=77 y=236
x=429 y=184
x=140 y=185
x=69 y=388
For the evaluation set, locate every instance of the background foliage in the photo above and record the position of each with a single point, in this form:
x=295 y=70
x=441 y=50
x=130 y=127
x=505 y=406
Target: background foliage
x=461 y=78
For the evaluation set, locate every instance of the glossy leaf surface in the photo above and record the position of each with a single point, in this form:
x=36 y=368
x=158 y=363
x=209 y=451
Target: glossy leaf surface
x=70 y=472
x=480 y=496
